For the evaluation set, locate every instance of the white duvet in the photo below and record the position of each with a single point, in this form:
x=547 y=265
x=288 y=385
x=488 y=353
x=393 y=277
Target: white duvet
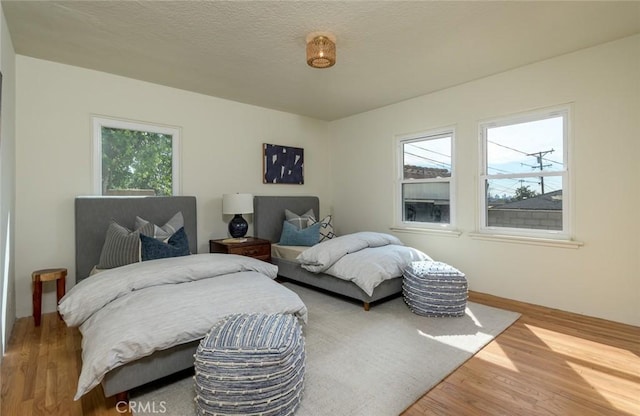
x=131 y=311
x=365 y=258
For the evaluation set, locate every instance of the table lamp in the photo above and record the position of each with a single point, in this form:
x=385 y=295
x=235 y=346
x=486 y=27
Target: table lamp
x=236 y=205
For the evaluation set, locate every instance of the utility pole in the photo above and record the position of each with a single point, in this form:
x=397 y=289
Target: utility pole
x=538 y=156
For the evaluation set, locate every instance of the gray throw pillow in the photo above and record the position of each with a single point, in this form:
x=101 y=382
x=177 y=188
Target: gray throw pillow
x=300 y=221
x=121 y=245
x=166 y=231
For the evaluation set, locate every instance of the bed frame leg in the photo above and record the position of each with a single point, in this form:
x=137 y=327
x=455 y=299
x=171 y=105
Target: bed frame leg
x=366 y=306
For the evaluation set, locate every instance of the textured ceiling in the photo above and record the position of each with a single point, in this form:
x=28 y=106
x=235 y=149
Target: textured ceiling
x=254 y=51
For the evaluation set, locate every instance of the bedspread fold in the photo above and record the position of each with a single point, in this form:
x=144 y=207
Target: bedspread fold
x=320 y=257
x=365 y=258
x=98 y=290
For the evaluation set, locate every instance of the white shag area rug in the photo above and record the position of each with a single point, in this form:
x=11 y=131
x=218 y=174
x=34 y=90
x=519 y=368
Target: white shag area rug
x=374 y=363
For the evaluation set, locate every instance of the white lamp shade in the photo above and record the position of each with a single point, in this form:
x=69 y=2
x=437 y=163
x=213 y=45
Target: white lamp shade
x=237 y=204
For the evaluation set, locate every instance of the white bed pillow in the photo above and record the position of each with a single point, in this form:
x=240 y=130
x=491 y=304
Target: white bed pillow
x=326 y=228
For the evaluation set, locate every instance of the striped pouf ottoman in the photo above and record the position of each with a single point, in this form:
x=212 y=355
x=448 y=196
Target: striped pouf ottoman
x=433 y=288
x=250 y=364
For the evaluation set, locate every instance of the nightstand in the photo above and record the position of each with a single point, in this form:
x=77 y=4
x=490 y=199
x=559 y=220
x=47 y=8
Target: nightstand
x=254 y=247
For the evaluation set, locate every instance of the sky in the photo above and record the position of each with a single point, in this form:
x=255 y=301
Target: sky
x=525 y=148
x=516 y=150
x=431 y=153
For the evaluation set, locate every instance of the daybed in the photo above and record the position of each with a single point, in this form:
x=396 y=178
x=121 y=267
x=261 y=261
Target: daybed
x=122 y=308
x=268 y=218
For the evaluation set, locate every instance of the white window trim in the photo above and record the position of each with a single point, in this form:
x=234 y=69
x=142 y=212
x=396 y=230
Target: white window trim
x=424 y=227
x=522 y=234
x=101 y=121
x=545 y=242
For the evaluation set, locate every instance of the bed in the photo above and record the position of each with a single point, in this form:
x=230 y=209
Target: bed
x=268 y=218
x=93 y=216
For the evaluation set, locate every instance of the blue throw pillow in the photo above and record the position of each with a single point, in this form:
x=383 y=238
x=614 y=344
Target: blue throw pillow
x=176 y=246
x=291 y=236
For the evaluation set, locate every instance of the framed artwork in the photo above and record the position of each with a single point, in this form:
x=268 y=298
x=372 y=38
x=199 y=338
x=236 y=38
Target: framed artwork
x=282 y=164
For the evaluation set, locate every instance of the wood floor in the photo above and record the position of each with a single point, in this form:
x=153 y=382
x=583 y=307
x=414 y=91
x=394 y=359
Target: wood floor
x=548 y=363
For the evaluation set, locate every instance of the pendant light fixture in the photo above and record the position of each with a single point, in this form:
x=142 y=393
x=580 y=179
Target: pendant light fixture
x=321 y=50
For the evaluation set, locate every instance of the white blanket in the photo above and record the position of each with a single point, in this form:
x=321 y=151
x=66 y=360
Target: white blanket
x=366 y=258
x=132 y=311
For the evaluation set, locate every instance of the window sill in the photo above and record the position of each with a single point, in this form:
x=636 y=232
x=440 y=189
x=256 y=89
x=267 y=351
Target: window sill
x=547 y=242
x=431 y=231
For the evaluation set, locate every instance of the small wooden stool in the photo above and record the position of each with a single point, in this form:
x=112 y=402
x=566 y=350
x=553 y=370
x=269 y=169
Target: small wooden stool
x=46 y=275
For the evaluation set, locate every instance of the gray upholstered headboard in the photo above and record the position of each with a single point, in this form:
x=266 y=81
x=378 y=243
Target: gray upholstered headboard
x=93 y=215
x=268 y=213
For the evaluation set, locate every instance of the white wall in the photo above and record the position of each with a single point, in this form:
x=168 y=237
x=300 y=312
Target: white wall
x=7 y=181
x=221 y=153
x=602 y=84
x=602 y=278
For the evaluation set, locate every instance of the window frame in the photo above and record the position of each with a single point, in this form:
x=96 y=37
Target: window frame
x=536 y=115
x=98 y=122
x=400 y=140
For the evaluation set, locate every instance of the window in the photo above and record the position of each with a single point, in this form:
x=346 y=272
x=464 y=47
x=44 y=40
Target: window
x=425 y=179
x=135 y=158
x=524 y=175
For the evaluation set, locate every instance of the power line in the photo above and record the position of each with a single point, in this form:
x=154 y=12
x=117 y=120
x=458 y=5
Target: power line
x=507 y=147
x=426 y=158
x=499 y=170
x=429 y=150
x=524 y=153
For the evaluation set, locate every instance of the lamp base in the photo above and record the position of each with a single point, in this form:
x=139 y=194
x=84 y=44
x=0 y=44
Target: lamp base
x=238 y=226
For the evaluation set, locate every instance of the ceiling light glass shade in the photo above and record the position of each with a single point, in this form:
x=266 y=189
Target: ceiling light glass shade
x=321 y=52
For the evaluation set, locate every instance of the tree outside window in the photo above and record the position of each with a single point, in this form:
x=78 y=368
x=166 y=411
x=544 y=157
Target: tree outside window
x=135 y=159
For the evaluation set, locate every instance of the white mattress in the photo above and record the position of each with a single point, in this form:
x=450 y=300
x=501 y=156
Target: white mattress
x=286 y=252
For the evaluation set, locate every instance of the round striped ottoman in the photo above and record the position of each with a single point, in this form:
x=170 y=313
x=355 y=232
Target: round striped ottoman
x=250 y=364
x=433 y=288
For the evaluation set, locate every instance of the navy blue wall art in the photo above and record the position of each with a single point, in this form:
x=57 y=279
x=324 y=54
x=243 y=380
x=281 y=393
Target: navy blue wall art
x=283 y=164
